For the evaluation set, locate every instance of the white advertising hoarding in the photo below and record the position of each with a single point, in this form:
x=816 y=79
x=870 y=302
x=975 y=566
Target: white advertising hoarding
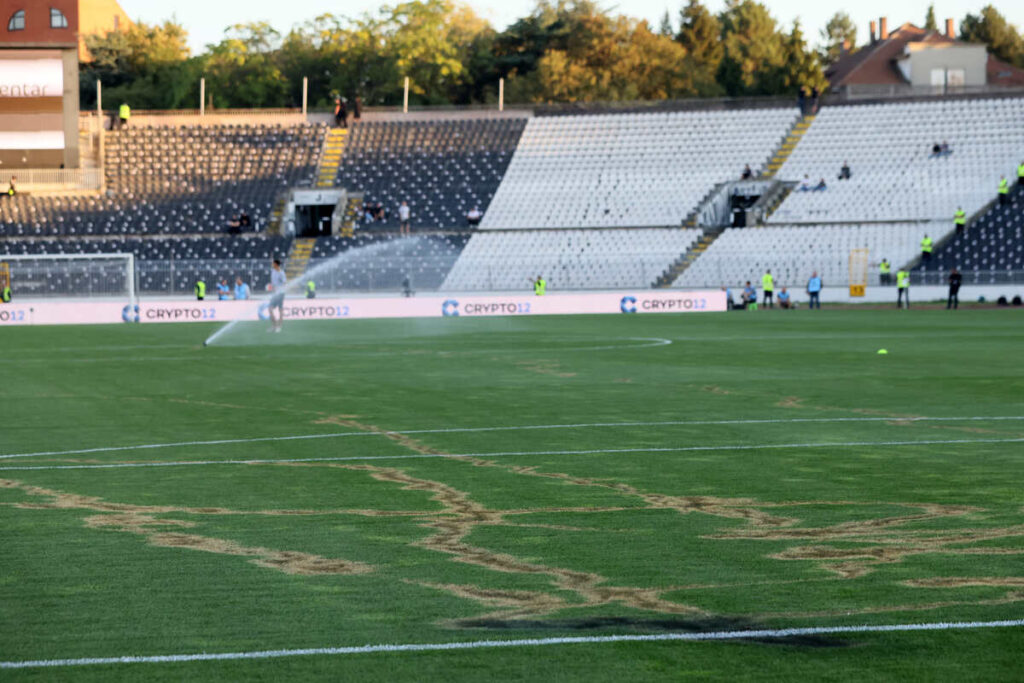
x=50 y=313
x=31 y=78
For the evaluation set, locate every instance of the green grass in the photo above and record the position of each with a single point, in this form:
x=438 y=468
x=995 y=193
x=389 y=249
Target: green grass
x=360 y=543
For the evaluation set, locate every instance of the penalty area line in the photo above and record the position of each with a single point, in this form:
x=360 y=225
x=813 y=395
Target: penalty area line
x=523 y=642
x=502 y=454
x=509 y=428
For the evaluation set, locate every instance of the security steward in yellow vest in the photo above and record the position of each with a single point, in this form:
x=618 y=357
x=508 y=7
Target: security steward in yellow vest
x=310 y=289
x=5 y=294
x=124 y=112
x=960 y=220
x=768 y=287
x=885 y=272
x=200 y=290
x=1004 y=191
x=1020 y=174
x=902 y=288
x=926 y=249
x=540 y=286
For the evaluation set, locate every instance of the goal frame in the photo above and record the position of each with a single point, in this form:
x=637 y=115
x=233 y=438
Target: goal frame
x=127 y=257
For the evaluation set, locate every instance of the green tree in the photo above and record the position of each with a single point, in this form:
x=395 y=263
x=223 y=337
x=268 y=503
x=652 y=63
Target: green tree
x=147 y=66
x=999 y=36
x=802 y=68
x=839 y=30
x=665 y=27
x=242 y=69
x=754 y=50
x=930 y=24
x=700 y=33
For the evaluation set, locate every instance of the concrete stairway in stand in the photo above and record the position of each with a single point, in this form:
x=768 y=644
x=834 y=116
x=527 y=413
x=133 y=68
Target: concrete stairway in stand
x=691 y=255
x=298 y=257
x=788 y=145
x=330 y=157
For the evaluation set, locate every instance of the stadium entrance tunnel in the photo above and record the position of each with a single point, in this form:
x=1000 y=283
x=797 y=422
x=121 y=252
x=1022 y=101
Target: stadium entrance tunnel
x=314 y=213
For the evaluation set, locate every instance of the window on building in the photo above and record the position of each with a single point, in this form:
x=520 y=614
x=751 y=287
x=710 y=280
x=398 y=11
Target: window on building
x=17 y=22
x=57 y=19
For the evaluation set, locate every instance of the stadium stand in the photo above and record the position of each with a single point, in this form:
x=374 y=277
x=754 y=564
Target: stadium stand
x=629 y=170
x=568 y=259
x=384 y=262
x=177 y=179
x=168 y=264
x=994 y=242
x=889 y=150
x=793 y=252
x=441 y=168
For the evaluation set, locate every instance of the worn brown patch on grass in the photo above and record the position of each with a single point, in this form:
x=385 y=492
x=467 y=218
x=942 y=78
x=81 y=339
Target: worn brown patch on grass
x=545 y=367
x=962 y=581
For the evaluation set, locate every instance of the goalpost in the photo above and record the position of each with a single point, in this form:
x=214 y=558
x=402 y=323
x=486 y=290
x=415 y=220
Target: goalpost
x=71 y=276
x=858 y=271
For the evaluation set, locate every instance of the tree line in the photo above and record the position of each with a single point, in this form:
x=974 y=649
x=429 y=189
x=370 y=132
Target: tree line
x=563 y=51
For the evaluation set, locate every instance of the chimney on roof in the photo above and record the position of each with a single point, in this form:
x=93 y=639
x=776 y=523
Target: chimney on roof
x=874 y=30
x=883 y=31
x=949 y=29
x=844 y=48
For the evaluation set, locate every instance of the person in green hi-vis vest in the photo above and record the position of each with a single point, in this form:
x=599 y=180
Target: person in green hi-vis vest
x=884 y=272
x=200 y=289
x=902 y=289
x=1004 y=190
x=960 y=220
x=768 y=287
x=124 y=112
x=310 y=289
x=926 y=249
x=1020 y=174
x=5 y=294
x=540 y=286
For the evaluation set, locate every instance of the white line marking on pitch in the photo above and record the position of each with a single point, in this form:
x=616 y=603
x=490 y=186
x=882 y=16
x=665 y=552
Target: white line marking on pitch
x=500 y=454
x=467 y=430
x=523 y=642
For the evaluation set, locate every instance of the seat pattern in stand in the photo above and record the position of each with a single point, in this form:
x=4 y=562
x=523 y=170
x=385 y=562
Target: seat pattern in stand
x=994 y=242
x=568 y=259
x=889 y=150
x=384 y=262
x=177 y=179
x=442 y=169
x=629 y=170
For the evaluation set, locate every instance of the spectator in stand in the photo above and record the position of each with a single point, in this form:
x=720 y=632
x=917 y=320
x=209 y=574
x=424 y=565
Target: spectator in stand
x=340 y=113
x=244 y=222
x=784 y=301
x=955 y=279
x=844 y=172
x=805 y=184
x=241 y=289
x=749 y=294
x=747 y=173
x=944 y=150
x=12 y=187
x=368 y=212
x=234 y=225
x=474 y=216
x=814 y=291
x=379 y=214
x=821 y=186
x=357 y=109
x=223 y=291
x=936 y=150
x=403 y=219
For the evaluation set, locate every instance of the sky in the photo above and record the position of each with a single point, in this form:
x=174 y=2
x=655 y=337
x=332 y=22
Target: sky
x=206 y=20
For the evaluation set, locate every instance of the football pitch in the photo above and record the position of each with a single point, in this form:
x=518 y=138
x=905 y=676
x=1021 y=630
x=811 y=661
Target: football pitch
x=645 y=497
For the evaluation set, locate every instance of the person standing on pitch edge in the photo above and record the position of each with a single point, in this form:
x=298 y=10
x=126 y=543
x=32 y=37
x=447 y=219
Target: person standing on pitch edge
x=902 y=289
x=955 y=278
x=276 y=287
x=814 y=291
x=768 y=287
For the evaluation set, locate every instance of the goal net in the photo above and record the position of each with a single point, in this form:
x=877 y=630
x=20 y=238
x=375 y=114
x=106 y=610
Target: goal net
x=66 y=276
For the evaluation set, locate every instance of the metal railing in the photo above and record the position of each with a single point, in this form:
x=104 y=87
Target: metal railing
x=970 y=277
x=43 y=179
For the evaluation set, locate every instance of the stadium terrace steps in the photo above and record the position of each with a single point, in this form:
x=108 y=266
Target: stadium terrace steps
x=688 y=257
x=629 y=170
x=330 y=157
x=993 y=241
x=353 y=212
x=298 y=257
x=788 y=145
x=895 y=174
